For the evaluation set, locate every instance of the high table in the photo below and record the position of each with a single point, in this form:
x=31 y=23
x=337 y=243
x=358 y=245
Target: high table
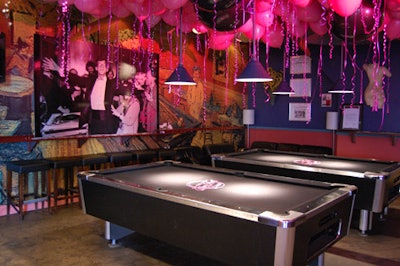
x=378 y=182
x=246 y=219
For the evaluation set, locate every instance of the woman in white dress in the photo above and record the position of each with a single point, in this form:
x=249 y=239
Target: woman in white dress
x=127 y=111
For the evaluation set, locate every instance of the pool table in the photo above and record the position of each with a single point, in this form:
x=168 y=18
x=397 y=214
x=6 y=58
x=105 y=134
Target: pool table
x=378 y=182
x=245 y=219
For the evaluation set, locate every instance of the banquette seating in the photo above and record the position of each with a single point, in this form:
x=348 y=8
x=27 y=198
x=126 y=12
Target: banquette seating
x=291 y=147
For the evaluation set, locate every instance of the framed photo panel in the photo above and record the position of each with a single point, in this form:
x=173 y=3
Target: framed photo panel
x=92 y=89
x=299 y=111
x=351 y=117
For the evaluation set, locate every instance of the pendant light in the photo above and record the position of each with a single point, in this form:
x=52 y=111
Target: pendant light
x=180 y=76
x=254 y=71
x=284 y=87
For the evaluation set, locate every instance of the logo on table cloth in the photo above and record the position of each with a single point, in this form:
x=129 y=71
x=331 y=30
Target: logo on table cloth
x=307 y=162
x=205 y=184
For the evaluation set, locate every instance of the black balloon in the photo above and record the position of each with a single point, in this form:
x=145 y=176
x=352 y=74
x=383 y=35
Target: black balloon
x=209 y=4
x=224 y=20
x=360 y=25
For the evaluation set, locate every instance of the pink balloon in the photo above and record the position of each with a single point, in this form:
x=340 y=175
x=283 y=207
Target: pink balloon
x=173 y=4
x=140 y=10
x=199 y=28
x=265 y=18
x=189 y=18
x=246 y=27
x=274 y=36
x=171 y=17
x=220 y=40
x=320 y=27
x=262 y=6
x=86 y=5
x=393 y=29
x=152 y=20
x=393 y=5
x=325 y=3
x=69 y=2
x=157 y=7
x=120 y=11
x=296 y=27
x=345 y=8
x=310 y=13
x=282 y=8
x=259 y=30
x=301 y=3
x=394 y=14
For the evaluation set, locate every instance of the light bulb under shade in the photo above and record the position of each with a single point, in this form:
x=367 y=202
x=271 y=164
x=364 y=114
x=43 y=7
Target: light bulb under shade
x=254 y=72
x=332 y=119
x=248 y=116
x=180 y=76
x=284 y=89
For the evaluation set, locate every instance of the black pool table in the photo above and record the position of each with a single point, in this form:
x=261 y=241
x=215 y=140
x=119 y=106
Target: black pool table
x=246 y=219
x=378 y=182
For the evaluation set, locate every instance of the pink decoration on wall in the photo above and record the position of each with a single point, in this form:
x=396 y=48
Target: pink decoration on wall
x=345 y=8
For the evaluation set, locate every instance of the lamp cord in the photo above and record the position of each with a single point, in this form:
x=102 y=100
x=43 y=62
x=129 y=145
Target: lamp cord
x=180 y=37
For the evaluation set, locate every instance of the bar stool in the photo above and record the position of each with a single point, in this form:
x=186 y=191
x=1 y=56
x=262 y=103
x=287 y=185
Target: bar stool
x=95 y=161
x=69 y=165
x=23 y=168
x=119 y=158
x=144 y=156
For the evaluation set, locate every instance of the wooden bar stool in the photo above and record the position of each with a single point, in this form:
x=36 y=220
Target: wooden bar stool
x=23 y=168
x=70 y=166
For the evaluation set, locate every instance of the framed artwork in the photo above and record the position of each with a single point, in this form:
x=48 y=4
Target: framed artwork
x=326 y=100
x=351 y=117
x=219 y=66
x=301 y=87
x=300 y=64
x=97 y=89
x=299 y=111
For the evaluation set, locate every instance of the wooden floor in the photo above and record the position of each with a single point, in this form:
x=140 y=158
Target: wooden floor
x=69 y=237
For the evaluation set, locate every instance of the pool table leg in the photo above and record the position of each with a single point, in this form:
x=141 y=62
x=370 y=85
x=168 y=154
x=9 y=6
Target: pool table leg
x=319 y=261
x=115 y=232
x=365 y=223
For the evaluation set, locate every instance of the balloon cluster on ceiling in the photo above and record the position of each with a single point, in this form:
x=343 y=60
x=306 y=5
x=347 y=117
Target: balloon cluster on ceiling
x=275 y=19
